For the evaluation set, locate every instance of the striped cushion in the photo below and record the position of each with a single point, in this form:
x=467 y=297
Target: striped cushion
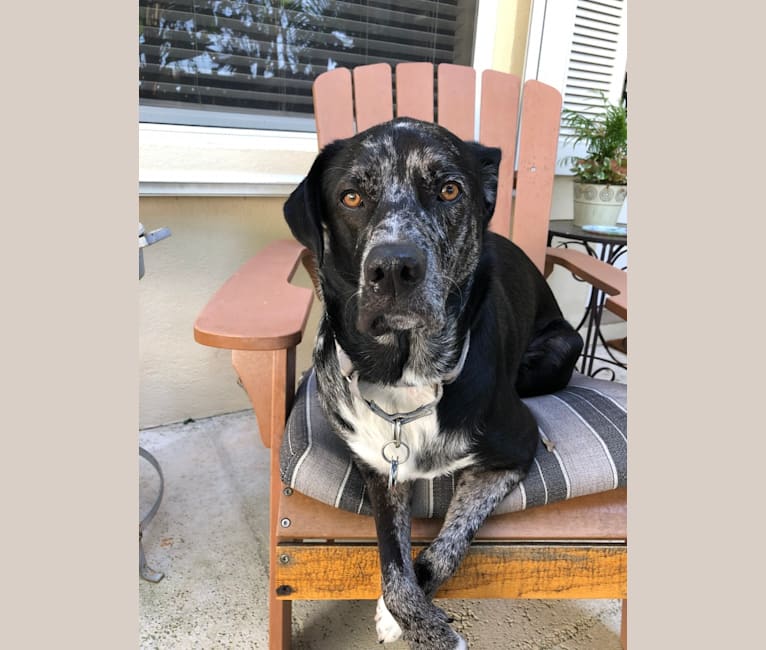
x=587 y=422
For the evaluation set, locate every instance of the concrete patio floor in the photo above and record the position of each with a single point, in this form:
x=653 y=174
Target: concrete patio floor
x=210 y=539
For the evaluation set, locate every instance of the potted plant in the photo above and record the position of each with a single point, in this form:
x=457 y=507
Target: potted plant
x=601 y=176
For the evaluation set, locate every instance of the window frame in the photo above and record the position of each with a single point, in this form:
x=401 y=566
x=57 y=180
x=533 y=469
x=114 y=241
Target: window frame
x=153 y=113
x=182 y=160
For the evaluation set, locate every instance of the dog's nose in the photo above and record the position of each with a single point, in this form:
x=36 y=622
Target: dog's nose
x=394 y=269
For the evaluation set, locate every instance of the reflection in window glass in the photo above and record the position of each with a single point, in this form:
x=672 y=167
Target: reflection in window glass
x=263 y=56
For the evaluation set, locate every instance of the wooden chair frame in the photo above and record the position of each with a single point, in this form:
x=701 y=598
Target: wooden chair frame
x=570 y=549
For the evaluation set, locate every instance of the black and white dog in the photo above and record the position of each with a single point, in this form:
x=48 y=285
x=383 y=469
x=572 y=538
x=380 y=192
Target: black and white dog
x=433 y=329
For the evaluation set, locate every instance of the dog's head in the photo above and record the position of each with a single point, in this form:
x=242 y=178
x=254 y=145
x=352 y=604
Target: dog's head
x=395 y=217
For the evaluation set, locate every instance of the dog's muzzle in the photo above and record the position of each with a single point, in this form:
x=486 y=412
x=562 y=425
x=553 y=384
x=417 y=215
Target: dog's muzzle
x=393 y=276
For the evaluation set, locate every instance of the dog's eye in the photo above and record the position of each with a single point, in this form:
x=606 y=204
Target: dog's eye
x=449 y=191
x=351 y=199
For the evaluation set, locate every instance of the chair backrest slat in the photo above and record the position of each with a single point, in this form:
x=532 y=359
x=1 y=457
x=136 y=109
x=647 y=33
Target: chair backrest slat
x=457 y=99
x=415 y=91
x=497 y=128
x=540 y=114
x=522 y=211
x=333 y=106
x=372 y=92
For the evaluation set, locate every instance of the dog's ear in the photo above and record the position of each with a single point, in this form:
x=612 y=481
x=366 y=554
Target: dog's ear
x=303 y=208
x=489 y=163
x=303 y=213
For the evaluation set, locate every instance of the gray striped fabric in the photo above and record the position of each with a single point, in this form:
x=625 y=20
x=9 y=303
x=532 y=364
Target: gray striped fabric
x=587 y=422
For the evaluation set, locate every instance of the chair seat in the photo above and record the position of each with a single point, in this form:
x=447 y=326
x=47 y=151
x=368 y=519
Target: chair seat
x=586 y=422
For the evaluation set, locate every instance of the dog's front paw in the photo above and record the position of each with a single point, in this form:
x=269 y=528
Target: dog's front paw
x=385 y=624
x=451 y=641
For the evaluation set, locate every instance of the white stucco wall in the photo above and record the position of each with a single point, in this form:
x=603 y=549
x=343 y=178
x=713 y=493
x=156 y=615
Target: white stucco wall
x=211 y=238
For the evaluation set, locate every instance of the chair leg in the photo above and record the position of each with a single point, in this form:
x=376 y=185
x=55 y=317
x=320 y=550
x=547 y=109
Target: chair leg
x=624 y=625
x=269 y=380
x=280 y=623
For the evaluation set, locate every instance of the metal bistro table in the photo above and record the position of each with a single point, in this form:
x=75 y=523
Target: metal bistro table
x=611 y=249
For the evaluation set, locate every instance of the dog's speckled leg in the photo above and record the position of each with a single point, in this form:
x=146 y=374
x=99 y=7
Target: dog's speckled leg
x=424 y=626
x=477 y=494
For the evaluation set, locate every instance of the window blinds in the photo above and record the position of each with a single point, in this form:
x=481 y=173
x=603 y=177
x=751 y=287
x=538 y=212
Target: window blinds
x=263 y=56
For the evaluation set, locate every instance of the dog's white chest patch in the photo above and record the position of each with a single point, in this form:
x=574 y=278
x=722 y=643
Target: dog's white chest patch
x=373 y=433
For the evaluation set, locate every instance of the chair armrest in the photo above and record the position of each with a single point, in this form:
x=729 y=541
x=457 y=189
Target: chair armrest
x=257 y=308
x=618 y=304
x=603 y=276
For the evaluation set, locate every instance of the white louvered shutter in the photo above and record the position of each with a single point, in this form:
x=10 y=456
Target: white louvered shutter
x=580 y=48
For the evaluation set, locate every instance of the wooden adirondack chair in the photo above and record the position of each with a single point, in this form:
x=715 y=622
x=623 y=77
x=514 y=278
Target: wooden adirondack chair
x=569 y=549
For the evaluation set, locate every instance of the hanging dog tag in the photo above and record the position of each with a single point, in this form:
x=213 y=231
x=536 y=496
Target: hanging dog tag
x=392 y=449
x=394 y=472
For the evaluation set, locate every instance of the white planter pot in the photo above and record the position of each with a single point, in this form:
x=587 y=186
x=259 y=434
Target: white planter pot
x=598 y=205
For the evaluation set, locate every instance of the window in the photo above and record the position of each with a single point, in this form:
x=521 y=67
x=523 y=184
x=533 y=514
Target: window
x=251 y=64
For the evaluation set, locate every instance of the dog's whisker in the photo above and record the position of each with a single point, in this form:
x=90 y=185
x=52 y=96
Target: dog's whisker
x=456 y=285
x=354 y=296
